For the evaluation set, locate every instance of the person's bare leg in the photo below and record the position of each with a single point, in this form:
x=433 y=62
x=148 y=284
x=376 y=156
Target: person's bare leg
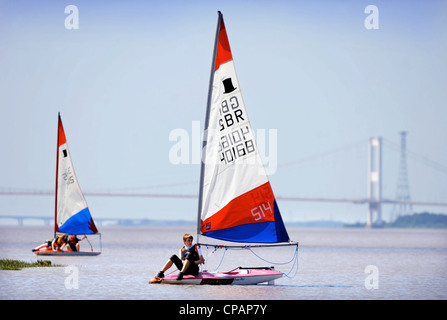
x=185 y=266
x=167 y=265
x=157 y=279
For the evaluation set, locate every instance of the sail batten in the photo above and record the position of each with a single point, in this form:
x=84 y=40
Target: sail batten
x=236 y=201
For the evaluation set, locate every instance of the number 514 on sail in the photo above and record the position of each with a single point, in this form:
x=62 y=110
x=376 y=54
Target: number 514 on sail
x=259 y=212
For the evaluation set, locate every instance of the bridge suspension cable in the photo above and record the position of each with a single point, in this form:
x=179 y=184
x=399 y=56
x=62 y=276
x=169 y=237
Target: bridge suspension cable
x=417 y=157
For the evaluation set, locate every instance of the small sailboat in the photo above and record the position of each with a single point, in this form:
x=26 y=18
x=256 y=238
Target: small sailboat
x=236 y=201
x=72 y=215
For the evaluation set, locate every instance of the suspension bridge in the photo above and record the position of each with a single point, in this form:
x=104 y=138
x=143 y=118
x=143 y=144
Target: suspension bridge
x=373 y=199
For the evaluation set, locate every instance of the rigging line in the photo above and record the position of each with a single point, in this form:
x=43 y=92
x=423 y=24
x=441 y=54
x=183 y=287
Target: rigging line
x=171 y=272
x=294 y=259
x=208 y=254
x=221 y=260
x=280 y=263
x=91 y=247
x=296 y=269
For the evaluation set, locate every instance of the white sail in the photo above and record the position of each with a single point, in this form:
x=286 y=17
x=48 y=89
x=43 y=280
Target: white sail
x=72 y=213
x=236 y=200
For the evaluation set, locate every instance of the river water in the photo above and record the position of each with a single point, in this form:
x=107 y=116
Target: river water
x=350 y=264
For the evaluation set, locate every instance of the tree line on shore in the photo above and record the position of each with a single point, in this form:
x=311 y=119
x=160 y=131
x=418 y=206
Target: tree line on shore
x=416 y=220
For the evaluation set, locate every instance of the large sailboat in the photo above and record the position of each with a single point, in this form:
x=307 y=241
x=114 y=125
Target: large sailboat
x=71 y=213
x=236 y=201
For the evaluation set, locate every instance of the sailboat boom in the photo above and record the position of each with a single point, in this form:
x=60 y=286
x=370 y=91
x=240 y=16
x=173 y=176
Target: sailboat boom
x=248 y=246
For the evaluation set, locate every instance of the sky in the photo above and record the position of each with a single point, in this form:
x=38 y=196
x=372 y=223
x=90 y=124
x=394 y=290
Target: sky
x=131 y=84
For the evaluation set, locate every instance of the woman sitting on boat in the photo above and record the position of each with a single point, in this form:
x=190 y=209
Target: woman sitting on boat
x=188 y=263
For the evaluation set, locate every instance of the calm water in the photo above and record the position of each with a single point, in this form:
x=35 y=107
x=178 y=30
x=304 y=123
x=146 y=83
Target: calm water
x=409 y=264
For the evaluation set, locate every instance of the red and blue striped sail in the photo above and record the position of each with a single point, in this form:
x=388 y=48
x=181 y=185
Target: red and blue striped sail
x=236 y=200
x=72 y=215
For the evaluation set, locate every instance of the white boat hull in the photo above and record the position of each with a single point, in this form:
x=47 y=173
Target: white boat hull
x=67 y=253
x=241 y=277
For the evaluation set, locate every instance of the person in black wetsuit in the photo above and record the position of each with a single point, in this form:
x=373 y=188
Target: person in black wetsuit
x=73 y=242
x=188 y=263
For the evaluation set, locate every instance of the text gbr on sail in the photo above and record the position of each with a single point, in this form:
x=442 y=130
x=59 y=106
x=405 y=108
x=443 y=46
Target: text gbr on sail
x=229 y=109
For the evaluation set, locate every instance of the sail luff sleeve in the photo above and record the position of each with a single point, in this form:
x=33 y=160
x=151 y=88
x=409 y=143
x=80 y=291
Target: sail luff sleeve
x=207 y=116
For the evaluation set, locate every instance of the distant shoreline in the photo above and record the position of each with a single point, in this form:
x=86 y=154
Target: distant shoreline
x=417 y=220
x=424 y=220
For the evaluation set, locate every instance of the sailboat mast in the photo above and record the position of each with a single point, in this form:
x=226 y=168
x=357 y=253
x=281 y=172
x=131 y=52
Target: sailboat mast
x=207 y=119
x=57 y=173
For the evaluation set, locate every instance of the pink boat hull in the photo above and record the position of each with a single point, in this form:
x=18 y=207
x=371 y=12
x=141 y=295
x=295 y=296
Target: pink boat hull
x=239 y=277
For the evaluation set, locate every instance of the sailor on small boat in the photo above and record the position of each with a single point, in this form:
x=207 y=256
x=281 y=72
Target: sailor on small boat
x=73 y=242
x=60 y=242
x=45 y=246
x=188 y=263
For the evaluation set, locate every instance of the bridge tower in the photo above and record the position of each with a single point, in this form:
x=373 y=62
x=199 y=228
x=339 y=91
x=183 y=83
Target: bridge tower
x=403 y=188
x=374 y=182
